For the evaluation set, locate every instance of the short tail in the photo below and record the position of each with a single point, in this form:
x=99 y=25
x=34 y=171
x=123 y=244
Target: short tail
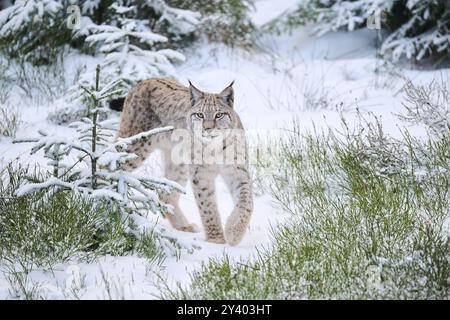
x=117 y=104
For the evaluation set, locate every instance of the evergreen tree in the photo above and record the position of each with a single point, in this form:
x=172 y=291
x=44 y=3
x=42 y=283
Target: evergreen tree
x=128 y=44
x=98 y=173
x=142 y=29
x=224 y=21
x=424 y=33
x=28 y=24
x=416 y=29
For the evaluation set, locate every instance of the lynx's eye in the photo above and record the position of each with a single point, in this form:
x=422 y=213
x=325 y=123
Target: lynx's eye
x=199 y=115
x=219 y=115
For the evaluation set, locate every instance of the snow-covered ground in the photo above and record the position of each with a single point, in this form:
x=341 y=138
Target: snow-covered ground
x=294 y=77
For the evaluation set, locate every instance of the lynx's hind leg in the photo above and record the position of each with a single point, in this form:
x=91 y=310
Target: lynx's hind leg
x=138 y=117
x=179 y=174
x=142 y=150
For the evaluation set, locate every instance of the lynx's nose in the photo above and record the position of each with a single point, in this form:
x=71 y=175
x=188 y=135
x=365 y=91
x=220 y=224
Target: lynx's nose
x=208 y=125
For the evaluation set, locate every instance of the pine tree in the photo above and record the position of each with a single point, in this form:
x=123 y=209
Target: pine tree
x=225 y=21
x=425 y=33
x=98 y=173
x=39 y=30
x=124 y=46
x=27 y=24
x=416 y=29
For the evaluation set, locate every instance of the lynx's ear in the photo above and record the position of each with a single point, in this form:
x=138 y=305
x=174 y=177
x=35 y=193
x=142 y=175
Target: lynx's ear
x=227 y=95
x=196 y=94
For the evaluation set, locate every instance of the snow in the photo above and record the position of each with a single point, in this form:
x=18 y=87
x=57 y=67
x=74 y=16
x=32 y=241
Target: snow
x=266 y=10
x=298 y=77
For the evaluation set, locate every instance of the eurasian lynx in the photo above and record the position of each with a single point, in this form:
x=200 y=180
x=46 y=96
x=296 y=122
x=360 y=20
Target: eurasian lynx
x=162 y=102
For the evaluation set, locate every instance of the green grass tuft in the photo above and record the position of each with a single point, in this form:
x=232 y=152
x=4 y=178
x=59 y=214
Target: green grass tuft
x=368 y=221
x=40 y=230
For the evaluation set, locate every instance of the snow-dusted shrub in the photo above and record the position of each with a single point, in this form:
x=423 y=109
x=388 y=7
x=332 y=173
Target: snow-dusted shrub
x=417 y=29
x=5 y=81
x=72 y=113
x=43 y=230
x=39 y=230
x=224 y=21
x=9 y=121
x=428 y=105
x=39 y=84
x=373 y=148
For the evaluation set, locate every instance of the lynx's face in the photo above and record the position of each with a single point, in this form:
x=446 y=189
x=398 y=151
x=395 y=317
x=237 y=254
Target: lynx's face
x=212 y=113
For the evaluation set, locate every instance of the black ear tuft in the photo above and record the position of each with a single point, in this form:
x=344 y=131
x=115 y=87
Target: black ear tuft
x=195 y=93
x=227 y=95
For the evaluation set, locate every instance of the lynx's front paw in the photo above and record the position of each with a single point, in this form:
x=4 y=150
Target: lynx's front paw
x=220 y=240
x=235 y=228
x=192 y=227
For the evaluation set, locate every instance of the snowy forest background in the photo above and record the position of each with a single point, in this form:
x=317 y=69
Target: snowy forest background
x=347 y=110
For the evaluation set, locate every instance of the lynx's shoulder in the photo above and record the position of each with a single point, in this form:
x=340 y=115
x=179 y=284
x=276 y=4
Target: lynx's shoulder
x=153 y=103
